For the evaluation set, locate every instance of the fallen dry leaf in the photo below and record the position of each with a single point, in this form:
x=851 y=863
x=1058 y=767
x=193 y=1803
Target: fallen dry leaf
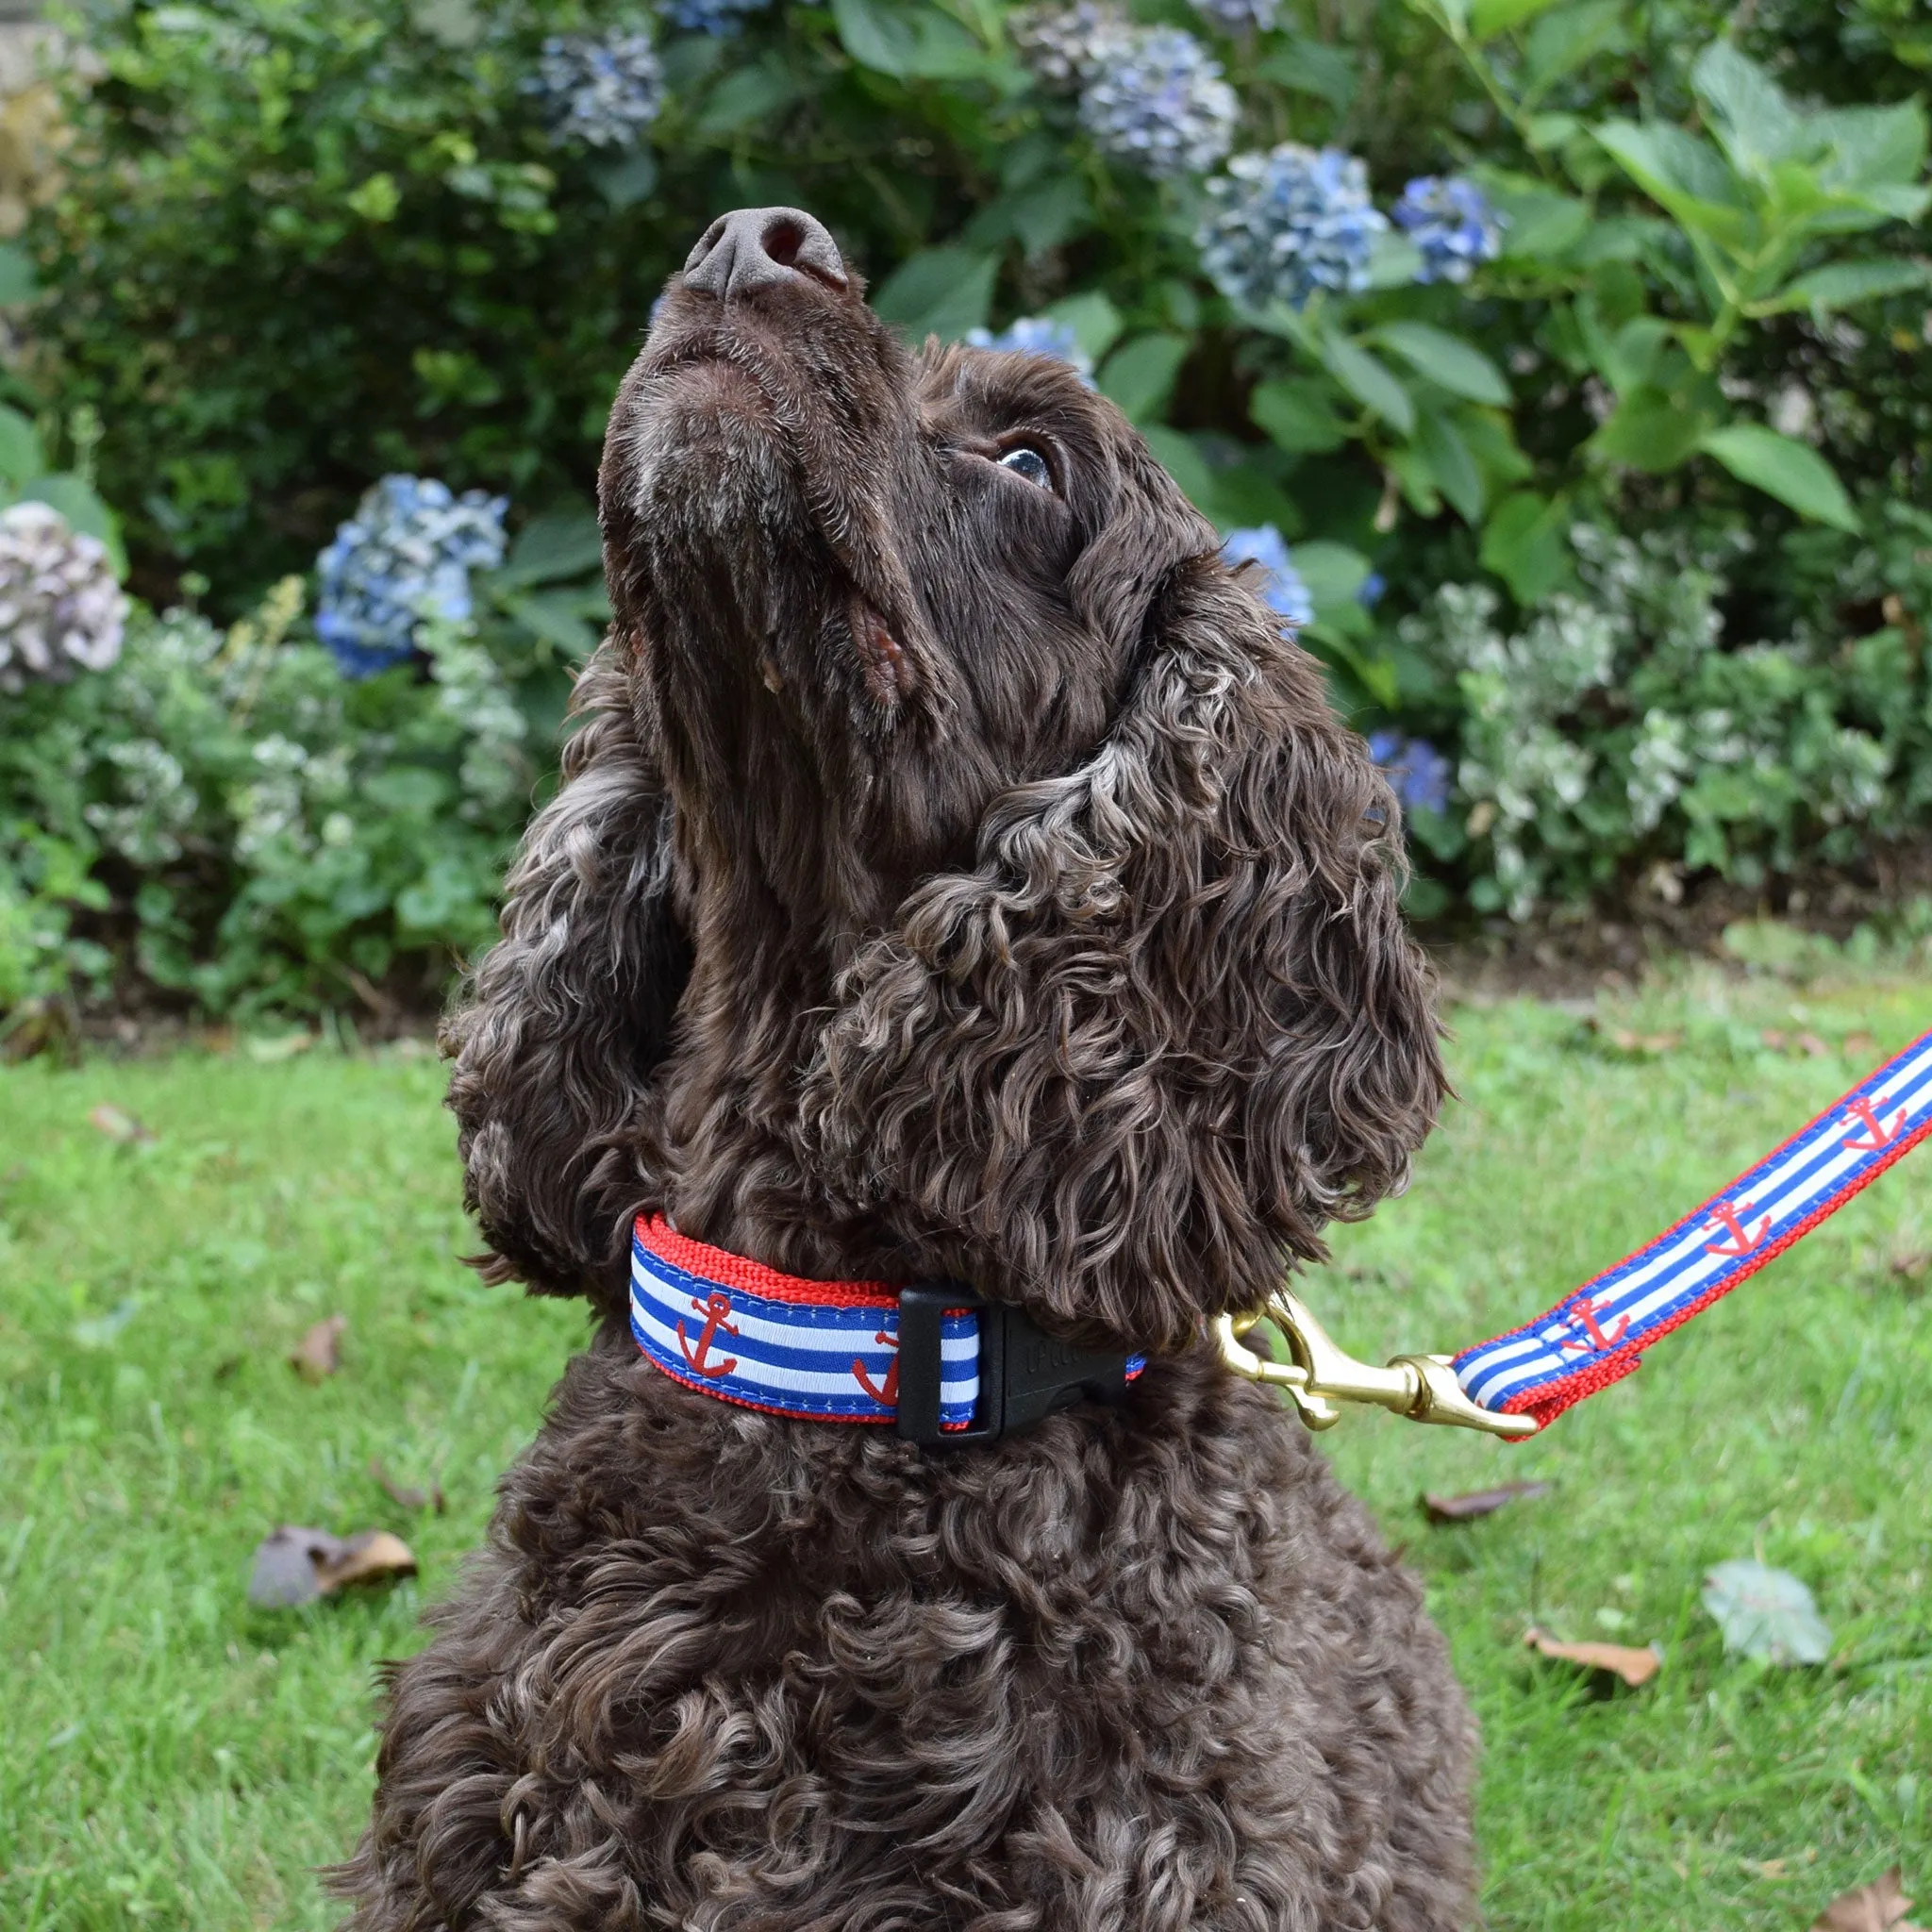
x=1909 y=1267
x=1624 y=1040
x=319 y=1354
x=404 y=1495
x=1861 y=1045
x=1636 y=1667
x=296 y=1566
x=1813 y=1047
x=1879 y=1908
x=1774 y=1039
x=119 y=1125
x=1466 y=1508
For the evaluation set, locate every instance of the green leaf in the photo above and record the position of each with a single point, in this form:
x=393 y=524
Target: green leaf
x=559 y=543
x=1095 y=322
x=876 y=35
x=1490 y=17
x=941 y=292
x=1683 y=175
x=1298 y=415
x=377 y=199
x=1754 y=123
x=555 y=617
x=1370 y=382
x=21 y=455
x=1649 y=430
x=1139 y=375
x=1539 y=224
x=1792 y=472
x=18 y=282
x=747 y=97
x=1523 y=543
x=1447 y=360
x=1040 y=215
x=82 y=508
x=1307 y=67
x=1333 y=573
x=1451 y=464
x=1844 y=284
x=1175 y=454
x=1562 y=41
x=1766 y=1614
x=627 y=181
x=1872 y=147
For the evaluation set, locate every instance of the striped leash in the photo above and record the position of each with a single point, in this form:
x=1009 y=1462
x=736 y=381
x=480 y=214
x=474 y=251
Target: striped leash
x=1521 y=1381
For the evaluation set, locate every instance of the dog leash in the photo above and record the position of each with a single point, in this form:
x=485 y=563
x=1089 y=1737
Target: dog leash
x=1523 y=1380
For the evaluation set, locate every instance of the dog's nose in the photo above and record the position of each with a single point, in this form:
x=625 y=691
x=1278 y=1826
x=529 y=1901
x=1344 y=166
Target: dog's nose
x=756 y=247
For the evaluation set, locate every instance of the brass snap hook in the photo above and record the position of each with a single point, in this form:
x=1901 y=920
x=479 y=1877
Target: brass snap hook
x=1321 y=1375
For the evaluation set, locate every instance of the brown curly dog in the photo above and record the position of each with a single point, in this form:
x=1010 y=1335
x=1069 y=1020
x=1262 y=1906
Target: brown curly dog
x=957 y=877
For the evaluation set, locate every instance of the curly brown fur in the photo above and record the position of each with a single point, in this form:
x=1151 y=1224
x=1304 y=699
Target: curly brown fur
x=953 y=877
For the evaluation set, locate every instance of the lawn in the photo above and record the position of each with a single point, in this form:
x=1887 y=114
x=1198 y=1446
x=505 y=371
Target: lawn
x=170 y=1758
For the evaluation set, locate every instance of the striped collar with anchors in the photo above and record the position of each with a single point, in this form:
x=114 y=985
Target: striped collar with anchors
x=930 y=1360
x=1525 y=1378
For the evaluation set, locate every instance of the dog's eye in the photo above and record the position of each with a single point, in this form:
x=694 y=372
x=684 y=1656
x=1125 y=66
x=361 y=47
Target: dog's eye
x=1028 y=463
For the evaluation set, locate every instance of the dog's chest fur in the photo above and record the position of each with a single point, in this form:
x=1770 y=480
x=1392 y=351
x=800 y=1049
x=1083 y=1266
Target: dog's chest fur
x=1150 y=1670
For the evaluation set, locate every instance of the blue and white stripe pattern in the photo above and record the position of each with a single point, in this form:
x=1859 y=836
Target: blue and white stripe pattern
x=1594 y=1336
x=831 y=1360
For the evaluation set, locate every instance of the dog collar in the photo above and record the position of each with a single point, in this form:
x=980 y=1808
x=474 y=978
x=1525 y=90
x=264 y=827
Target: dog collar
x=930 y=1359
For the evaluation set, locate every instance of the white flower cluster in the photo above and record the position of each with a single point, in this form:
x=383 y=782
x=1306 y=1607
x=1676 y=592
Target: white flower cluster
x=60 y=608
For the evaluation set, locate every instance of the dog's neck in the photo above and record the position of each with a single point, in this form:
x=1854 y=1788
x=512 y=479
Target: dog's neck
x=728 y=1133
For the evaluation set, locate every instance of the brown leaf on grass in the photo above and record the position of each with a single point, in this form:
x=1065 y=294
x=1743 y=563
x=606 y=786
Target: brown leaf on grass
x=1861 y=1045
x=1879 y=1908
x=119 y=1125
x=1909 y=1267
x=1636 y=1667
x=1624 y=1040
x=296 y=1566
x=1812 y=1047
x=319 y=1354
x=1466 y=1508
x=404 y=1495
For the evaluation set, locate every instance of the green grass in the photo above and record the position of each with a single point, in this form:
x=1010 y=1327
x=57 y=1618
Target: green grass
x=169 y=1758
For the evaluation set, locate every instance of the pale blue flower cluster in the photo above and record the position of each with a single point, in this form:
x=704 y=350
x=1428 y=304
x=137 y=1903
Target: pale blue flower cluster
x=1419 y=773
x=598 y=91
x=1038 y=335
x=405 y=557
x=1157 y=98
x=1064 y=46
x=719 y=17
x=1288 y=222
x=1451 y=221
x=1240 y=16
x=1280 y=586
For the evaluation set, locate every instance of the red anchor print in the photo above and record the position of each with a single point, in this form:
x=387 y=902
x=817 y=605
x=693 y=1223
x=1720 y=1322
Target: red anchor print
x=888 y=1395
x=1586 y=1313
x=715 y=1307
x=1743 y=1240
x=1882 y=1135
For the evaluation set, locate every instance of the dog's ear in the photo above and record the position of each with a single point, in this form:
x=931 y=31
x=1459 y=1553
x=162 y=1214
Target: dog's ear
x=563 y=1021
x=1170 y=1024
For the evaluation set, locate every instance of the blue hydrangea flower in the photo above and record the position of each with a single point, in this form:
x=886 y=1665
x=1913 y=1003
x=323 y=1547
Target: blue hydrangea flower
x=1451 y=221
x=1240 y=16
x=1281 y=588
x=1064 y=46
x=1288 y=222
x=405 y=555
x=1158 y=100
x=598 y=91
x=1038 y=335
x=719 y=17
x=1415 y=768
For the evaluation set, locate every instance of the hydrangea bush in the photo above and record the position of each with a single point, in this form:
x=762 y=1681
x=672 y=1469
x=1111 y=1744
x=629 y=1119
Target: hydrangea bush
x=60 y=608
x=1414 y=299
x=404 y=559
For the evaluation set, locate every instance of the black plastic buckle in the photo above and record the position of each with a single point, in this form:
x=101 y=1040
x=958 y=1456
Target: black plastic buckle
x=1024 y=1374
